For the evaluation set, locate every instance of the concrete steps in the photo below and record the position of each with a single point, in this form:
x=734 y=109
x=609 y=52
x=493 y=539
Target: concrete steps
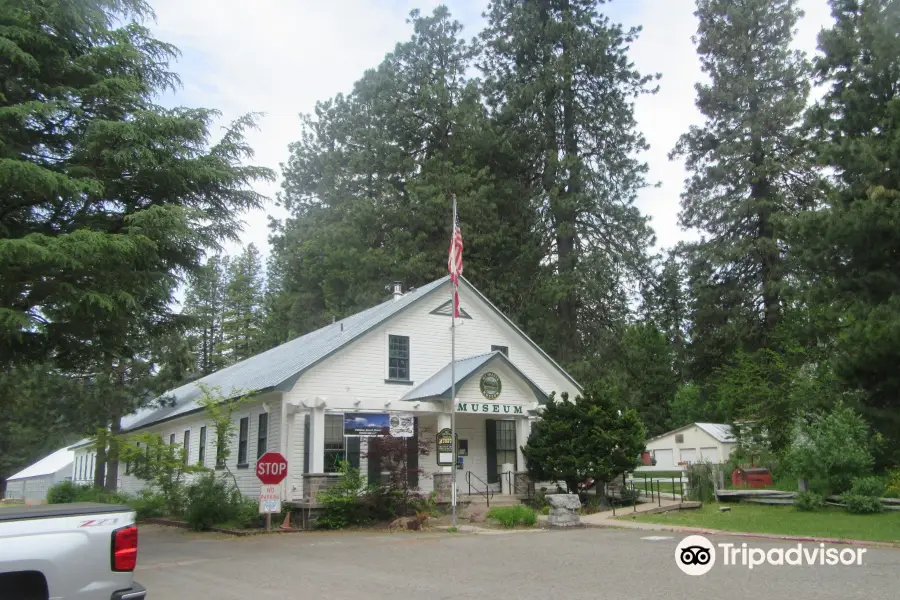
x=496 y=500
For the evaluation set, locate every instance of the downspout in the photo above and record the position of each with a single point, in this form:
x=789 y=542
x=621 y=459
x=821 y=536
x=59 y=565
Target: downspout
x=284 y=446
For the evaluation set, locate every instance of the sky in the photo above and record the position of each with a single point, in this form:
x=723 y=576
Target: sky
x=280 y=57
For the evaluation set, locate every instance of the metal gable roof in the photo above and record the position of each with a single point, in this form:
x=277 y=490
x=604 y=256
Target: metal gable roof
x=280 y=367
x=720 y=431
x=438 y=385
x=273 y=367
x=46 y=466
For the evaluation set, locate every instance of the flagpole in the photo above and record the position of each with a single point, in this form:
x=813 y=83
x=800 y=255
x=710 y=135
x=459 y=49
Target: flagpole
x=453 y=291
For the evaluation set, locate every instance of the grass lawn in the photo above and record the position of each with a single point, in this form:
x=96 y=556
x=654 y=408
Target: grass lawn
x=665 y=486
x=756 y=518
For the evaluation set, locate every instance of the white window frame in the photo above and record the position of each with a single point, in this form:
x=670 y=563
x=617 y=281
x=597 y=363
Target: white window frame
x=237 y=444
x=387 y=358
x=187 y=447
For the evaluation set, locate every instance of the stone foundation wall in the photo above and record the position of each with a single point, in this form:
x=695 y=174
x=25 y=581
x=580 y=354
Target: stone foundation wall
x=443 y=486
x=313 y=483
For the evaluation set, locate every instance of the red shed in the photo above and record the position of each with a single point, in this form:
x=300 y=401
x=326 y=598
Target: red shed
x=752 y=477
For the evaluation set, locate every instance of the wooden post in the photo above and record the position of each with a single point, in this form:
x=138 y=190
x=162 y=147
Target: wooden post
x=268 y=521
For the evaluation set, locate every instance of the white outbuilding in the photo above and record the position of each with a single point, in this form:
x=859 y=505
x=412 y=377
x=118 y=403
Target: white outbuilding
x=693 y=443
x=30 y=485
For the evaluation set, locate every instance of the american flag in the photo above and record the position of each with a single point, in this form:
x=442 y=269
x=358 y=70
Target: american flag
x=455 y=261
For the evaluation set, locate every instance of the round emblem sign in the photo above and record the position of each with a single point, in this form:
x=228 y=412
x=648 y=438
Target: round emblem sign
x=490 y=385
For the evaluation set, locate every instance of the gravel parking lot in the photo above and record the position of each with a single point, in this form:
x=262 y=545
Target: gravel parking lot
x=584 y=563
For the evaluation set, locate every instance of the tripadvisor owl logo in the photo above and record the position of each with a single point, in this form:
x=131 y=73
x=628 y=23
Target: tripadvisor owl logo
x=696 y=555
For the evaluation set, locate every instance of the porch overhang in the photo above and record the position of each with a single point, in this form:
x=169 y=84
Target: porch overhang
x=438 y=387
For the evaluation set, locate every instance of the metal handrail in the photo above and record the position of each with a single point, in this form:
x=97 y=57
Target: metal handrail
x=488 y=493
x=513 y=479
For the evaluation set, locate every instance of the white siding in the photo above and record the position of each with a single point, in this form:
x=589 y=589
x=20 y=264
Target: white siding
x=711 y=454
x=246 y=477
x=353 y=379
x=358 y=370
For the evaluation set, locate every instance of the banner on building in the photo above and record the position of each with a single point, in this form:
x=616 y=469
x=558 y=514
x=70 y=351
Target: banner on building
x=402 y=426
x=366 y=424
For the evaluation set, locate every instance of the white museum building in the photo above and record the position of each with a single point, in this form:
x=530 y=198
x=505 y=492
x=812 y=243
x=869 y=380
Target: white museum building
x=316 y=396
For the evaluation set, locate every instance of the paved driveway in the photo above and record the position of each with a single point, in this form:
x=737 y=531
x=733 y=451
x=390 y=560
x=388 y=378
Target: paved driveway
x=584 y=563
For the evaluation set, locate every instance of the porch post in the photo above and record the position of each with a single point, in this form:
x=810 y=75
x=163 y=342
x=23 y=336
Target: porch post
x=523 y=429
x=316 y=440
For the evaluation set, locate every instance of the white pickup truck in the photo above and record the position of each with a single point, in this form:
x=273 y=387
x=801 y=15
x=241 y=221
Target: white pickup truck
x=83 y=551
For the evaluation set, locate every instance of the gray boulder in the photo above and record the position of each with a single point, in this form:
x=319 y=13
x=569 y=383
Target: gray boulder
x=563 y=510
x=569 y=501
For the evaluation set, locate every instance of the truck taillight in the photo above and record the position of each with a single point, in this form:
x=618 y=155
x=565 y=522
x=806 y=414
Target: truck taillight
x=124 y=548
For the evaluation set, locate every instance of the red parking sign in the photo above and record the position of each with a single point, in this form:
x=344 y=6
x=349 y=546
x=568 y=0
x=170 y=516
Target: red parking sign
x=271 y=468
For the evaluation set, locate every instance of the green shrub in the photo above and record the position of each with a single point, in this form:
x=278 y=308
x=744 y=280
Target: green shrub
x=349 y=501
x=64 y=492
x=629 y=495
x=892 y=489
x=831 y=451
x=247 y=516
x=545 y=510
x=211 y=501
x=86 y=493
x=868 y=486
x=595 y=503
x=426 y=504
x=148 y=504
x=861 y=505
x=809 y=501
x=510 y=516
x=701 y=482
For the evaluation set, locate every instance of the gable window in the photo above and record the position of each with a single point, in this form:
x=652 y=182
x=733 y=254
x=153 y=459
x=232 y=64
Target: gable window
x=243 y=434
x=398 y=357
x=202 y=449
x=187 y=445
x=262 y=435
x=334 y=442
x=679 y=438
x=503 y=349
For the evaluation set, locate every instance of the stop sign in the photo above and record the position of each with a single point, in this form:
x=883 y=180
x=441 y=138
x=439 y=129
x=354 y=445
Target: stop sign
x=271 y=468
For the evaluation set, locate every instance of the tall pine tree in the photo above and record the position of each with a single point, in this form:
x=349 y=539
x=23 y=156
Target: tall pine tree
x=243 y=318
x=368 y=188
x=851 y=246
x=561 y=88
x=204 y=305
x=750 y=174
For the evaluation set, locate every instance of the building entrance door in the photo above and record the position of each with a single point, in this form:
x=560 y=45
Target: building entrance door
x=501 y=448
